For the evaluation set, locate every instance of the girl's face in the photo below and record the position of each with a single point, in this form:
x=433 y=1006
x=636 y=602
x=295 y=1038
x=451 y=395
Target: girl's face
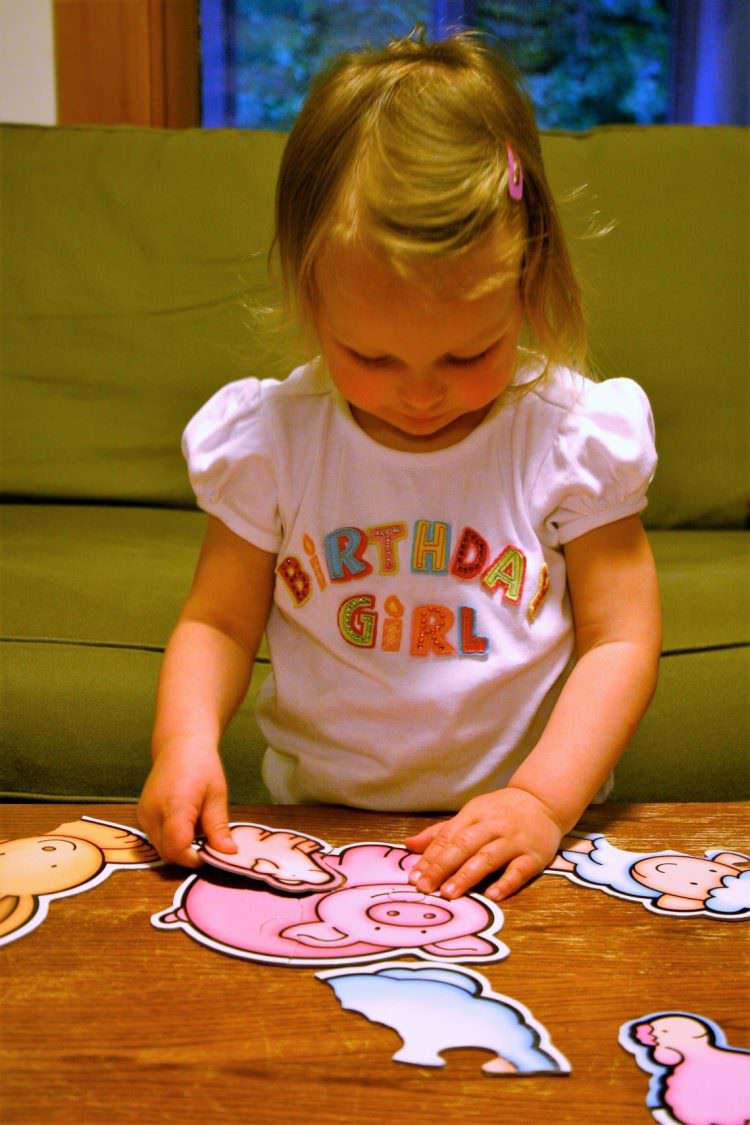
x=419 y=366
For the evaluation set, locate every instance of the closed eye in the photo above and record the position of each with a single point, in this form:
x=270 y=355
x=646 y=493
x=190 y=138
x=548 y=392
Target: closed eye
x=452 y=360
x=469 y=360
x=370 y=360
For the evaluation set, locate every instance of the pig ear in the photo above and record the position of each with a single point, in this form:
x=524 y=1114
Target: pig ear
x=317 y=934
x=470 y=945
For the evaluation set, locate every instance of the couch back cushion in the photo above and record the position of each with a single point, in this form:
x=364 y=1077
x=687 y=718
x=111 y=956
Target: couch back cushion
x=133 y=258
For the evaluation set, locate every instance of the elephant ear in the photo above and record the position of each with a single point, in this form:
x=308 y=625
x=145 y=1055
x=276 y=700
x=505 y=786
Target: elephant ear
x=468 y=945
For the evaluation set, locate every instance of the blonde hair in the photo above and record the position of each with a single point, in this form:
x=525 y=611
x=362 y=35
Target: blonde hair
x=405 y=149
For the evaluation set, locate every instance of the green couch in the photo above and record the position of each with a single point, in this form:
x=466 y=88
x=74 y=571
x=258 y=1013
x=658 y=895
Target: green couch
x=132 y=260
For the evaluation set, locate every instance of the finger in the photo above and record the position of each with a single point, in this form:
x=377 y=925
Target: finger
x=449 y=850
x=515 y=876
x=215 y=824
x=488 y=859
x=420 y=840
x=176 y=845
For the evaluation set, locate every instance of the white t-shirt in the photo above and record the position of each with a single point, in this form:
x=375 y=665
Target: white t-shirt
x=421 y=627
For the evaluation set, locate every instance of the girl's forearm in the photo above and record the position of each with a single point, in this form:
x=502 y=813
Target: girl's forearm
x=590 y=726
x=204 y=678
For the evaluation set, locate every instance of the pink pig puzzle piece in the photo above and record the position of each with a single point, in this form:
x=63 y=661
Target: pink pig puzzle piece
x=696 y=1078
x=289 y=898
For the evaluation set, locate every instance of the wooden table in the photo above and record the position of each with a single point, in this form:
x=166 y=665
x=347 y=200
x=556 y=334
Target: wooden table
x=107 y=1020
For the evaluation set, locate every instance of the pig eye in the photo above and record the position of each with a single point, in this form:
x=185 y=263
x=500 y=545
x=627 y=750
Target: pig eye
x=48 y=848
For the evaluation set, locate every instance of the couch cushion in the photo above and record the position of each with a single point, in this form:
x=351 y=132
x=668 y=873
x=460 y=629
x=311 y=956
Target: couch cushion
x=88 y=597
x=667 y=296
x=694 y=741
x=118 y=576
x=90 y=594
x=130 y=258
x=126 y=303
x=703 y=578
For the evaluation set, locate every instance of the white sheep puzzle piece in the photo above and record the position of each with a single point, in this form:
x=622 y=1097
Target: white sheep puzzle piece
x=714 y=885
x=434 y=1008
x=696 y=1077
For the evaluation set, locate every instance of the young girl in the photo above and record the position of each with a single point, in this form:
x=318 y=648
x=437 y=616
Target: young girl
x=437 y=527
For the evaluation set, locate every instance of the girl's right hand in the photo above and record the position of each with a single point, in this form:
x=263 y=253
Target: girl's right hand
x=185 y=796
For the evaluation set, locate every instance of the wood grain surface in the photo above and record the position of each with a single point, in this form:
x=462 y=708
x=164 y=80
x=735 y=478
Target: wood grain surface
x=107 y=1020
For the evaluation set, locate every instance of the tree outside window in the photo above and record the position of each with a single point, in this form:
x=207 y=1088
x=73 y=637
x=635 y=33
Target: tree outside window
x=585 y=62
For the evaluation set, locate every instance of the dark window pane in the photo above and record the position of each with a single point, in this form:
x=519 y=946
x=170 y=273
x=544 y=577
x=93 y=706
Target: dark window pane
x=586 y=62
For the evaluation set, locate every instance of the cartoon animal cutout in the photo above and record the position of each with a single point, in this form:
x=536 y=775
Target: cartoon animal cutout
x=716 y=885
x=290 y=899
x=434 y=1009
x=74 y=857
x=696 y=1078
x=283 y=859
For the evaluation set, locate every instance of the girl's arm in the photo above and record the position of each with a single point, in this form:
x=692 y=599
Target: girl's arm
x=204 y=678
x=615 y=599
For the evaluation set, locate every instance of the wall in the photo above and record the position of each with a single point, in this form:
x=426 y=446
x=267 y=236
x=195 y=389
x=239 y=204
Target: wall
x=27 y=62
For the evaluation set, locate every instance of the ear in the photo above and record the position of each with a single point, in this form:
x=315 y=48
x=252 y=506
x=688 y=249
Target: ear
x=15 y=911
x=470 y=945
x=317 y=934
x=139 y=852
x=118 y=844
x=732 y=859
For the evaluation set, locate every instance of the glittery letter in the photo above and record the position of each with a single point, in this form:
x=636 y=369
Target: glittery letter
x=470 y=554
x=542 y=589
x=386 y=536
x=296 y=579
x=344 y=549
x=429 y=625
x=357 y=624
x=432 y=542
x=508 y=571
x=469 y=642
x=312 y=554
x=393 y=626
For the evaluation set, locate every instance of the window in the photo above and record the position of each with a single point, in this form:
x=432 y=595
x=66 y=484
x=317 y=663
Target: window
x=586 y=62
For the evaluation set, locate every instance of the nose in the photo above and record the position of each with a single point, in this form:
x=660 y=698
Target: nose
x=422 y=392
x=395 y=913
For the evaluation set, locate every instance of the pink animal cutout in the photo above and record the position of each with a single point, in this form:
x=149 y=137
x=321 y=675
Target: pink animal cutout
x=696 y=1078
x=716 y=885
x=74 y=857
x=282 y=859
x=290 y=899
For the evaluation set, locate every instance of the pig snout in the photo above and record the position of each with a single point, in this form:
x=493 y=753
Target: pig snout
x=411 y=914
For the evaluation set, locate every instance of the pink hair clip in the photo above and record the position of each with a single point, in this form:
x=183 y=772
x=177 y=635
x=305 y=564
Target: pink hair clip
x=515 y=175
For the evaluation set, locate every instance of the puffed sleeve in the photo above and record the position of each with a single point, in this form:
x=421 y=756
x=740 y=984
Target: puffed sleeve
x=228 y=447
x=600 y=464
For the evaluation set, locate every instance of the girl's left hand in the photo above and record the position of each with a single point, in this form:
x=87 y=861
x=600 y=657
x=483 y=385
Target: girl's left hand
x=508 y=829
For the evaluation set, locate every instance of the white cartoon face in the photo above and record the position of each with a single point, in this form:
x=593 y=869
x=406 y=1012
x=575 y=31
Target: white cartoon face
x=682 y=875
x=46 y=864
